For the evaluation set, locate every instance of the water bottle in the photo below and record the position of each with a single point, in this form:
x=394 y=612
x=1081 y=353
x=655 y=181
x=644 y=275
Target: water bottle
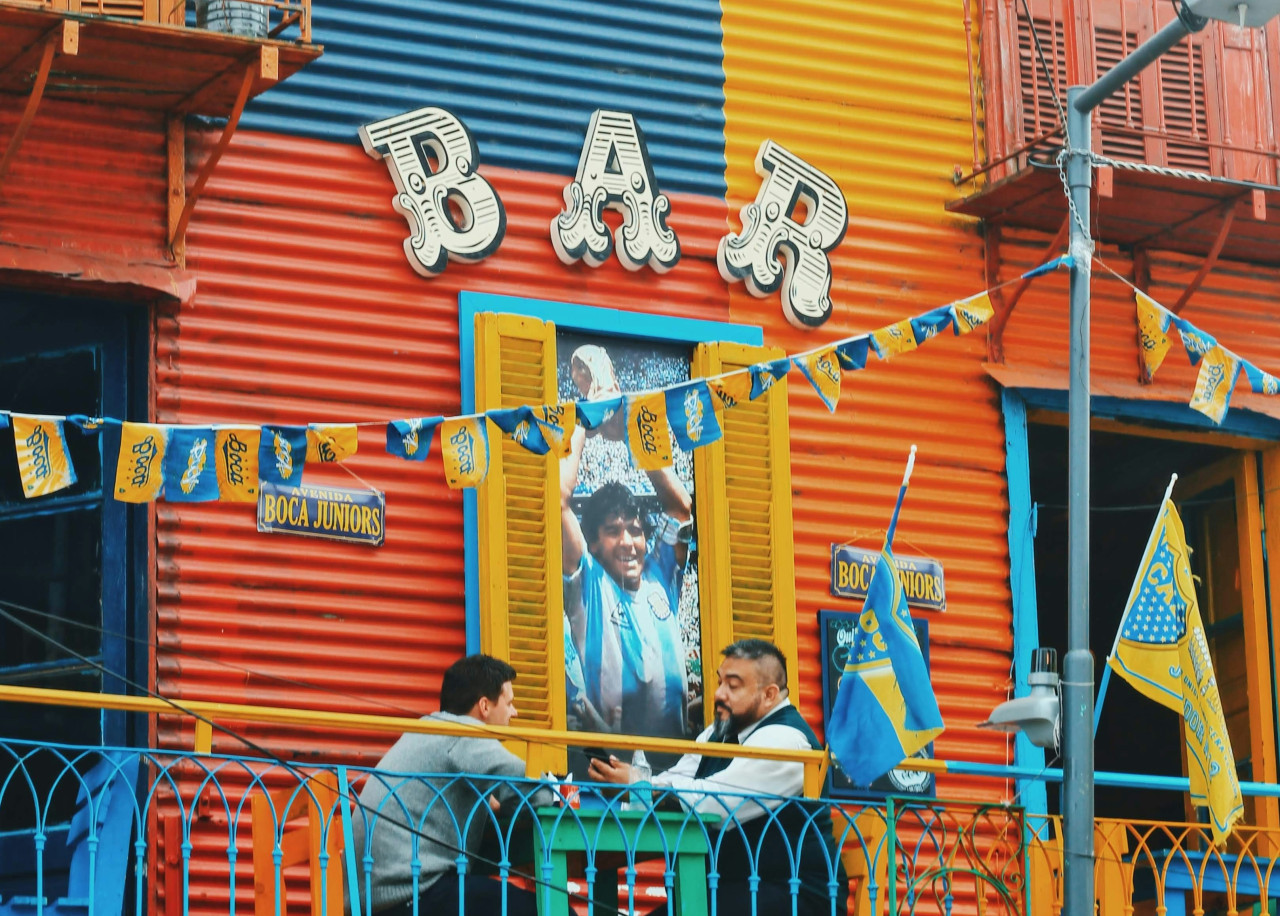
x=641 y=783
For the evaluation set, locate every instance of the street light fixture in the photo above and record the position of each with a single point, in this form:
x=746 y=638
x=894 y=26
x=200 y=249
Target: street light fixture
x=1077 y=680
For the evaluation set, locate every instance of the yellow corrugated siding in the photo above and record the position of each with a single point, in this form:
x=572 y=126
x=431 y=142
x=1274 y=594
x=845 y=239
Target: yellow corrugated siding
x=878 y=98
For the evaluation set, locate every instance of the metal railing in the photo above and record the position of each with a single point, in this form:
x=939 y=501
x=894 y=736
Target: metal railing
x=288 y=20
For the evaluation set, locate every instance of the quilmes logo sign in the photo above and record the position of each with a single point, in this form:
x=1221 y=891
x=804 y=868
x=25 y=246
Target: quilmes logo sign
x=922 y=578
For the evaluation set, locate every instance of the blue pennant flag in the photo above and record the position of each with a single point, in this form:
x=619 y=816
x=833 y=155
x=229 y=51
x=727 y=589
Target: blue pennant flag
x=1196 y=341
x=763 y=375
x=692 y=415
x=1049 y=267
x=411 y=439
x=282 y=454
x=591 y=414
x=853 y=353
x=80 y=421
x=932 y=323
x=1261 y=382
x=521 y=424
x=885 y=709
x=189 y=473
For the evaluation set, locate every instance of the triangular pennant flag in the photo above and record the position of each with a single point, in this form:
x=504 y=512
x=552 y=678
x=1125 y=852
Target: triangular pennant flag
x=894 y=340
x=931 y=323
x=83 y=423
x=1065 y=260
x=411 y=439
x=822 y=369
x=1153 y=341
x=730 y=390
x=1218 y=373
x=282 y=455
x=853 y=353
x=763 y=375
x=188 y=466
x=594 y=414
x=464 y=443
x=43 y=460
x=1196 y=342
x=140 y=467
x=236 y=461
x=1261 y=382
x=692 y=415
x=521 y=424
x=972 y=312
x=557 y=423
x=327 y=443
x=647 y=432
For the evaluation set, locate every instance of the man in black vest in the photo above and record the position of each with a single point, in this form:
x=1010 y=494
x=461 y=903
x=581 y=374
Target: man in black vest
x=752 y=709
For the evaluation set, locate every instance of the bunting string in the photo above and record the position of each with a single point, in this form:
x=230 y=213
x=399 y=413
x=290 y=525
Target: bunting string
x=230 y=462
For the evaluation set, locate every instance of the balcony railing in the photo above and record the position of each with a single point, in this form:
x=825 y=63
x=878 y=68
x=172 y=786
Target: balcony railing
x=283 y=19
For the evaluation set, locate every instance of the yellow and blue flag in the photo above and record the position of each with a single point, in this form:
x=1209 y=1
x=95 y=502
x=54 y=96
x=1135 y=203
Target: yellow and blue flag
x=282 y=454
x=1261 y=382
x=763 y=375
x=1217 y=379
x=972 y=312
x=1162 y=651
x=236 y=462
x=327 y=442
x=593 y=414
x=692 y=415
x=140 y=467
x=853 y=353
x=894 y=340
x=521 y=424
x=647 y=432
x=411 y=439
x=932 y=323
x=822 y=369
x=43 y=460
x=464 y=443
x=1196 y=342
x=557 y=423
x=885 y=709
x=730 y=390
x=1153 y=336
x=188 y=466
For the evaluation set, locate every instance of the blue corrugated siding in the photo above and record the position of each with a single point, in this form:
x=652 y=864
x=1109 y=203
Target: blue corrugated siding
x=524 y=75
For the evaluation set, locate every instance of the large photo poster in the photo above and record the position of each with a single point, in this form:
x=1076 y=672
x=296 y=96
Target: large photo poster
x=632 y=624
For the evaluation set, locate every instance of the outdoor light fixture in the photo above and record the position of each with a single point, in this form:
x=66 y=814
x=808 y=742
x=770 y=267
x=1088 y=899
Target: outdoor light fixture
x=1252 y=15
x=1036 y=715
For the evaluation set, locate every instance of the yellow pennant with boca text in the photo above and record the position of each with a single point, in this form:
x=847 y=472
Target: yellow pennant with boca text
x=326 y=444
x=730 y=390
x=557 y=423
x=43 y=460
x=972 y=312
x=140 y=467
x=1153 y=336
x=647 y=430
x=894 y=340
x=464 y=448
x=1219 y=370
x=822 y=369
x=236 y=461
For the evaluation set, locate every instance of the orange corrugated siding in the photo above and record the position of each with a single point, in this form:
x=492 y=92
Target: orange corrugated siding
x=877 y=97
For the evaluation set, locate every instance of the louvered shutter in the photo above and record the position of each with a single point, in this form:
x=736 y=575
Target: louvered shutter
x=743 y=483
x=521 y=597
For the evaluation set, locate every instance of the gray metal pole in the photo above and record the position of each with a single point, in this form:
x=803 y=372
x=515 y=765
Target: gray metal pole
x=1077 y=681
x=1131 y=66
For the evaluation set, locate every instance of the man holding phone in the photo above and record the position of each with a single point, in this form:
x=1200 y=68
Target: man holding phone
x=752 y=709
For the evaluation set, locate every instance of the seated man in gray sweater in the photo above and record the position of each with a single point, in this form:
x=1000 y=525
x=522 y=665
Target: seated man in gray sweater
x=445 y=814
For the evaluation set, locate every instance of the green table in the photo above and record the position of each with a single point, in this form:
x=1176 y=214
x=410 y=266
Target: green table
x=602 y=837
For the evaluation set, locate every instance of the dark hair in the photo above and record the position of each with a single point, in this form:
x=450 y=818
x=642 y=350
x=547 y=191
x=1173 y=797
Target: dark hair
x=468 y=679
x=756 y=649
x=611 y=499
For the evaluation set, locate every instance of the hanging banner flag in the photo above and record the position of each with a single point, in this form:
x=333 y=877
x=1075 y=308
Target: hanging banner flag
x=521 y=424
x=140 y=467
x=327 y=444
x=43 y=460
x=822 y=369
x=692 y=415
x=594 y=414
x=188 y=466
x=411 y=439
x=1153 y=339
x=1261 y=382
x=763 y=375
x=647 y=431
x=557 y=424
x=1218 y=373
x=853 y=353
x=931 y=323
x=282 y=454
x=894 y=340
x=85 y=424
x=731 y=389
x=1196 y=342
x=236 y=462
x=972 y=312
x=464 y=442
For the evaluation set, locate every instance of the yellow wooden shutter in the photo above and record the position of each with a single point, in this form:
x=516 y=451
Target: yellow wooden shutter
x=743 y=484
x=521 y=592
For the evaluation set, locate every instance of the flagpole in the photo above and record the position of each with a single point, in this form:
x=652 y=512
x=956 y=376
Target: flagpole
x=1106 y=667
x=902 y=494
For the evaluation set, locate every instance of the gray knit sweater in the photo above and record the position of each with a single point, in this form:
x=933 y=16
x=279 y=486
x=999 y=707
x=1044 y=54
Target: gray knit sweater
x=434 y=806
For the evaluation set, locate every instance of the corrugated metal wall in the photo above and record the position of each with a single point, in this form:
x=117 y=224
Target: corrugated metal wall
x=877 y=97
x=524 y=75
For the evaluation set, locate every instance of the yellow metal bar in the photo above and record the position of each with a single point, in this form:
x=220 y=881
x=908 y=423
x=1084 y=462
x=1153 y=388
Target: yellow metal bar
x=204 y=737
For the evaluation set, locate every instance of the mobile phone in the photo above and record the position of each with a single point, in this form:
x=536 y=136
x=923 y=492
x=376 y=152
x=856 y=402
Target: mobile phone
x=596 y=753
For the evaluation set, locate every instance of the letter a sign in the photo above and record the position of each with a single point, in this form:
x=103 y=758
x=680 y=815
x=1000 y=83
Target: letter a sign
x=432 y=158
x=769 y=229
x=614 y=172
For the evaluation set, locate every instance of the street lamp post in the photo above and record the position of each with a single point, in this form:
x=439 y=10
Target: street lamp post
x=1077 y=680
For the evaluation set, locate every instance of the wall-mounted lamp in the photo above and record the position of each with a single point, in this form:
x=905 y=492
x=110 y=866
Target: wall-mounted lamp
x=1035 y=715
